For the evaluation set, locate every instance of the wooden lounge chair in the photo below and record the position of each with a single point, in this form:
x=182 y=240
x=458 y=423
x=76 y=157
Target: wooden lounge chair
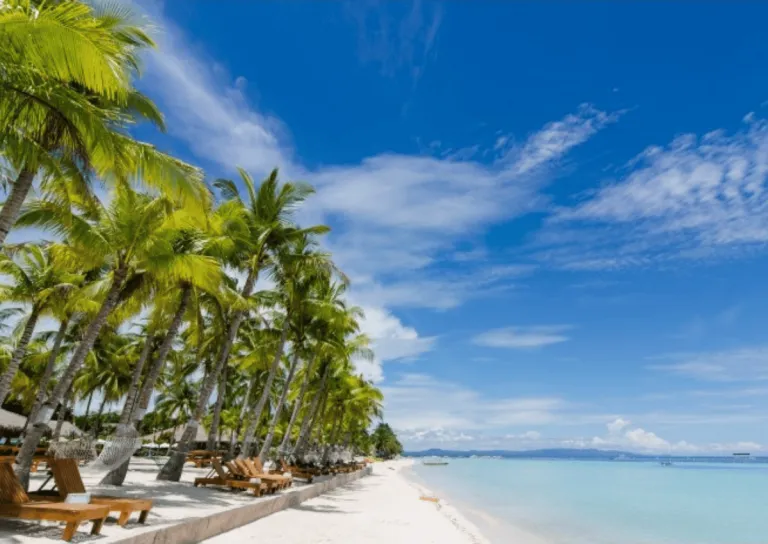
x=16 y=504
x=297 y=471
x=285 y=481
x=66 y=474
x=231 y=480
x=246 y=467
x=202 y=458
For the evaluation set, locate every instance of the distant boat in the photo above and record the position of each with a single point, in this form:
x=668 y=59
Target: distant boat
x=666 y=463
x=435 y=463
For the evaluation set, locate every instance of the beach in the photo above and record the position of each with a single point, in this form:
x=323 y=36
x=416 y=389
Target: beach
x=383 y=508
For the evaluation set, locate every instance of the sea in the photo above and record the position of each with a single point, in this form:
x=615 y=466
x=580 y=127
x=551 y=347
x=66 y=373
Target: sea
x=606 y=502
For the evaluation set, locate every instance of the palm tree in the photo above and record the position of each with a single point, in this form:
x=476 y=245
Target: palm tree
x=68 y=120
x=329 y=332
x=130 y=239
x=70 y=41
x=267 y=215
x=39 y=281
x=336 y=365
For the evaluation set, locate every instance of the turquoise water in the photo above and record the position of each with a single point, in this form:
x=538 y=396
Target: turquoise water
x=595 y=502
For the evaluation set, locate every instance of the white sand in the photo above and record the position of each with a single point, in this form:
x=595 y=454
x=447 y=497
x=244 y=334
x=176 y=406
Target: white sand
x=173 y=502
x=383 y=508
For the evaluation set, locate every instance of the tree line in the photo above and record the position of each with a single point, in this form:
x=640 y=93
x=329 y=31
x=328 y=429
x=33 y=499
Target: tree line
x=164 y=283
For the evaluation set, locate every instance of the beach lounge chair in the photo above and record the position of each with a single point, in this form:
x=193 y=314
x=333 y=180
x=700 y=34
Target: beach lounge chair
x=202 y=458
x=66 y=474
x=231 y=480
x=285 y=481
x=247 y=468
x=16 y=504
x=299 y=472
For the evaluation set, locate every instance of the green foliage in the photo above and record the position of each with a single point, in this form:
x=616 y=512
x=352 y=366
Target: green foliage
x=385 y=442
x=67 y=104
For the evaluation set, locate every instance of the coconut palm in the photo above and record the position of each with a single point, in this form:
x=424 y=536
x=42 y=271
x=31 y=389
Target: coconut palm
x=67 y=125
x=267 y=214
x=38 y=281
x=71 y=41
x=329 y=331
x=131 y=239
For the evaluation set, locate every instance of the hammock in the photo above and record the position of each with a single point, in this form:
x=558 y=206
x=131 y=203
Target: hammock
x=117 y=449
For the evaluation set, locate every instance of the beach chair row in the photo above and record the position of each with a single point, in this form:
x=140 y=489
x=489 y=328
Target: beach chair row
x=50 y=506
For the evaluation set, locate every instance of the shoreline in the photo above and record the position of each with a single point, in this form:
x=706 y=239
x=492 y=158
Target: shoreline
x=443 y=506
x=474 y=521
x=381 y=508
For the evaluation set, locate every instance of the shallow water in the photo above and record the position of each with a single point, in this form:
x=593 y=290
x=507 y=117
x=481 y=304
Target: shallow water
x=603 y=502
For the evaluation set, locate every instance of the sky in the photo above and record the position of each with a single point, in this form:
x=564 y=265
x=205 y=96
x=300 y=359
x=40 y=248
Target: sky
x=553 y=214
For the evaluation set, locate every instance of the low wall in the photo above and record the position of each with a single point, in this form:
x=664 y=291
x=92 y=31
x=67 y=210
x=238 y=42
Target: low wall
x=198 y=529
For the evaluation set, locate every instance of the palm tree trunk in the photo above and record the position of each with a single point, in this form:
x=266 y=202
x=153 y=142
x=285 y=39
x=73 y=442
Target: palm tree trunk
x=332 y=438
x=62 y=414
x=320 y=417
x=279 y=408
x=133 y=389
x=256 y=416
x=175 y=465
x=243 y=413
x=310 y=416
x=50 y=366
x=214 y=430
x=285 y=445
x=97 y=427
x=32 y=440
x=86 y=423
x=131 y=417
x=12 y=207
x=18 y=354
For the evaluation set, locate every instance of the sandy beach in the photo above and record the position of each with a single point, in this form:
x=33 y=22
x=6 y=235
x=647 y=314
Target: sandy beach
x=384 y=507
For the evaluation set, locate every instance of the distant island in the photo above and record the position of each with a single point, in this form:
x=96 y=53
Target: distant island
x=582 y=454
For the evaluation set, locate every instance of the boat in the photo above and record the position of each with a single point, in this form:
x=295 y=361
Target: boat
x=434 y=462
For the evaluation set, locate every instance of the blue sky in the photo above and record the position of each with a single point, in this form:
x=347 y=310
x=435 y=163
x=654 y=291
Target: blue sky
x=554 y=215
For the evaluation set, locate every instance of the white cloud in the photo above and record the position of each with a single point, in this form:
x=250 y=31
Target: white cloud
x=646 y=440
x=394 y=215
x=744 y=364
x=547 y=145
x=523 y=337
x=697 y=197
x=618 y=425
x=420 y=403
x=391 y=341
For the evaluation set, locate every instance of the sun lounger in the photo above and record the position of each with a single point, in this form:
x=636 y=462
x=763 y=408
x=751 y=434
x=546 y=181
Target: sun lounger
x=66 y=474
x=255 y=465
x=202 y=458
x=247 y=469
x=231 y=480
x=298 y=471
x=16 y=504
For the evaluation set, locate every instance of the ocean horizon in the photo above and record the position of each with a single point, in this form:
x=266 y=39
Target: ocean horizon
x=606 y=502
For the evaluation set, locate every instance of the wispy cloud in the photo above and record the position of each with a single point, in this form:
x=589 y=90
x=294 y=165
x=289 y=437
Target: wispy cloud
x=698 y=197
x=394 y=215
x=418 y=402
x=743 y=364
x=523 y=337
x=391 y=341
x=396 y=36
